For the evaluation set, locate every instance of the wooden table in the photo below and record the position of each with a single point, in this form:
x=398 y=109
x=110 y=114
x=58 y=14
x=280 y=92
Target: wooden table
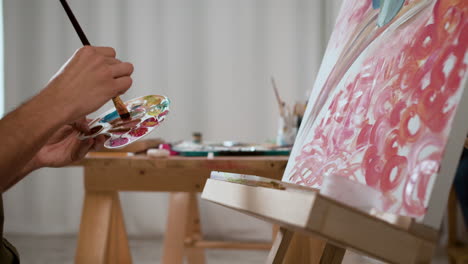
x=102 y=237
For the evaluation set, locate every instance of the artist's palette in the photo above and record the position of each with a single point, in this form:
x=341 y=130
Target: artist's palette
x=146 y=113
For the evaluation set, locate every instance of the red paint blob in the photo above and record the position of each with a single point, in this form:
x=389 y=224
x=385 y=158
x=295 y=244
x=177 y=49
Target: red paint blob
x=150 y=122
x=163 y=114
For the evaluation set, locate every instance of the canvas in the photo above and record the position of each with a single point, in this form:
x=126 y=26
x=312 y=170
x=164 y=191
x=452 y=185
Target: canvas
x=384 y=105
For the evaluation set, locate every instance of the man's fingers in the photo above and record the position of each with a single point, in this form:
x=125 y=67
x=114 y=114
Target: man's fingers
x=81 y=125
x=106 y=51
x=121 y=69
x=122 y=84
x=81 y=149
x=112 y=61
x=99 y=142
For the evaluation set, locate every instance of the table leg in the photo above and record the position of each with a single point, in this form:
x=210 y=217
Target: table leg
x=94 y=227
x=173 y=249
x=118 y=250
x=194 y=233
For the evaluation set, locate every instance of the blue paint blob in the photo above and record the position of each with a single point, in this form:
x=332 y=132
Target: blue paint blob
x=109 y=117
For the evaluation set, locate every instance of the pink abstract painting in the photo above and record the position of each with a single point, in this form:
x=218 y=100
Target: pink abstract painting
x=383 y=104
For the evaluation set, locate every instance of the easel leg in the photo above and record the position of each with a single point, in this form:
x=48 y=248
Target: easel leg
x=304 y=249
x=280 y=246
x=118 y=250
x=94 y=228
x=193 y=232
x=274 y=232
x=173 y=249
x=332 y=254
x=452 y=218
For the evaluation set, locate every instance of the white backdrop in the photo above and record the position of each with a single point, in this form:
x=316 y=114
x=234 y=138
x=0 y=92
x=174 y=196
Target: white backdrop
x=213 y=58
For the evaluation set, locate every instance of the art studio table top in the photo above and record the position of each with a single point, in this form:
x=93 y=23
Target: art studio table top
x=120 y=172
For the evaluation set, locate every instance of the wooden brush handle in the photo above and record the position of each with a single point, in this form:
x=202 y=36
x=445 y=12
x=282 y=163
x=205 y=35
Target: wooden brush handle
x=121 y=108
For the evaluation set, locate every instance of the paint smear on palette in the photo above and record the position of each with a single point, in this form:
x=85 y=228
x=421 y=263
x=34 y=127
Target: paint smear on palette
x=153 y=100
x=154 y=111
x=163 y=114
x=150 y=122
x=119 y=131
x=117 y=142
x=137 y=113
x=94 y=130
x=126 y=123
x=110 y=117
x=138 y=132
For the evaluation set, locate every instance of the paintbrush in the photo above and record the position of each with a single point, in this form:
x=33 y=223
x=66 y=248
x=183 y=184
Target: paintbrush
x=119 y=105
x=281 y=103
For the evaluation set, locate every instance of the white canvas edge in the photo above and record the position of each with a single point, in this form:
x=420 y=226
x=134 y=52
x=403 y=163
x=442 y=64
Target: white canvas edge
x=448 y=166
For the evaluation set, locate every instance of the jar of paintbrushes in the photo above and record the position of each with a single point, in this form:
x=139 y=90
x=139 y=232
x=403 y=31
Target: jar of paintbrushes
x=287 y=122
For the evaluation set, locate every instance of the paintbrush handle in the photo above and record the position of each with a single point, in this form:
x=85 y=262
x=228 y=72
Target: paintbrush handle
x=119 y=105
x=75 y=23
x=121 y=108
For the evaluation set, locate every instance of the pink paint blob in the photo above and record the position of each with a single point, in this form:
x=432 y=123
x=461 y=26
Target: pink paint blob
x=138 y=132
x=116 y=142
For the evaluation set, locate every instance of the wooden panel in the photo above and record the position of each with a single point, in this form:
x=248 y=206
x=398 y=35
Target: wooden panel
x=268 y=202
x=161 y=180
x=270 y=163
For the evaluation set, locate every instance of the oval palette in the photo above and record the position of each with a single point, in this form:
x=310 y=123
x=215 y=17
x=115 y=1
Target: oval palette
x=146 y=113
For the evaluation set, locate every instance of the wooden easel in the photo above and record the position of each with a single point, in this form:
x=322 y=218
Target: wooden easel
x=342 y=227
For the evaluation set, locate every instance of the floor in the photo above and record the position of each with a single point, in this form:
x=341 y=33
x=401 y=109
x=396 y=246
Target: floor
x=60 y=250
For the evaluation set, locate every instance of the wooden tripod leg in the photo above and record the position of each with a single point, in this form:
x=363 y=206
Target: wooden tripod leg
x=304 y=249
x=193 y=233
x=280 y=246
x=332 y=254
x=173 y=248
x=94 y=228
x=118 y=250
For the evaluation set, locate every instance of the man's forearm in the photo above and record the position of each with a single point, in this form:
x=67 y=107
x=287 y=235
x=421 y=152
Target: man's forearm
x=15 y=178
x=24 y=132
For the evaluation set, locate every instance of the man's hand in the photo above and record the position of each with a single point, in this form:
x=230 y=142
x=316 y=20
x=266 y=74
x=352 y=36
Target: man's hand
x=89 y=79
x=64 y=147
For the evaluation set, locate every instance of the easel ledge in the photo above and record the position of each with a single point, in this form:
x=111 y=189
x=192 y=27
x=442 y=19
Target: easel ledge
x=310 y=212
